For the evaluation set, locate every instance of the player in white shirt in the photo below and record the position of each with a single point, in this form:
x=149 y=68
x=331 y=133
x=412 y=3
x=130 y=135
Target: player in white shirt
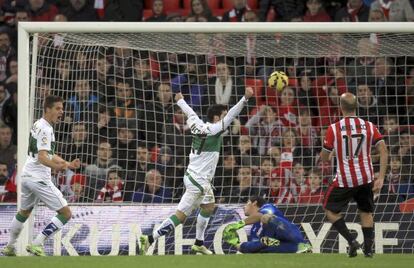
x=36 y=184
x=205 y=152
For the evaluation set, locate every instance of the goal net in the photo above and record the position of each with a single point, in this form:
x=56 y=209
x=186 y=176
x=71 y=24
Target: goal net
x=121 y=121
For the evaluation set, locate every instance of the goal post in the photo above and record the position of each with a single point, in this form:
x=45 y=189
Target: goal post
x=303 y=40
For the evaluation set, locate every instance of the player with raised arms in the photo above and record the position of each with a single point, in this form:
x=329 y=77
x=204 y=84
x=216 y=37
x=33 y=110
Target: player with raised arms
x=36 y=183
x=271 y=232
x=205 y=151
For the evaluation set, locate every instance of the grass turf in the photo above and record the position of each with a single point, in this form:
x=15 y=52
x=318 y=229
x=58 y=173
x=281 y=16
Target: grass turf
x=215 y=261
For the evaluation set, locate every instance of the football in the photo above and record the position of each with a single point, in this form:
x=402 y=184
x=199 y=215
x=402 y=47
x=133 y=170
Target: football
x=278 y=80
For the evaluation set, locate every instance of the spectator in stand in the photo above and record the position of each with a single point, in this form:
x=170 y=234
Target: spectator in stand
x=62 y=77
x=246 y=154
x=316 y=12
x=83 y=105
x=98 y=170
x=288 y=108
x=172 y=172
x=266 y=167
x=307 y=133
x=104 y=83
x=80 y=10
x=292 y=151
x=156 y=115
x=223 y=180
x=329 y=107
x=409 y=100
x=4 y=96
x=126 y=146
x=265 y=129
x=245 y=188
x=390 y=130
x=104 y=129
x=285 y=10
x=142 y=166
x=376 y=15
x=41 y=10
x=395 y=189
x=305 y=91
x=77 y=189
x=153 y=191
x=158 y=14
x=4 y=177
x=119 y=10
x=389 y=88
x=274 y=154
x=314 y=194
x=395 y=10
x=123 y=59
x=200 y=8
x=367 y=102
x=113 y=190
x=9 y=113
x=299 y=183
x=125 y=106
x=6 y=54
x=278 y=191
x=354 y=11
x=142 y=77
x=237 y=13
x=406 y=152
x=7 y=149
x=11 y=72
x=78 y=145
x=362 y=65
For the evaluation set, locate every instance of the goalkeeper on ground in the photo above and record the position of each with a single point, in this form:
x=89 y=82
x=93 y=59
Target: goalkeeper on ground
x=271 y=231
x=205 y=151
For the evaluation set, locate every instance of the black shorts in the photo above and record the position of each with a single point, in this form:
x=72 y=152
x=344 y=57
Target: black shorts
x=337 y=198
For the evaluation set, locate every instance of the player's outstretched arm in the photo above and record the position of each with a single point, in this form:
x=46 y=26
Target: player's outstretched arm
x=56 y=162
x=383 y=151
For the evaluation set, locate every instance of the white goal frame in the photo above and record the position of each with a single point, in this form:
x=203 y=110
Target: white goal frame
x=26 y=28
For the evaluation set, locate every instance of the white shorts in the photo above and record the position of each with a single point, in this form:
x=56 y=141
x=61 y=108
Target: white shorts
x=35 y=190
x=196 y=192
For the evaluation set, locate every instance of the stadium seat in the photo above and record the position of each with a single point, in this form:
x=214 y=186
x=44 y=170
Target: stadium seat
x=169 y=5
x=228 y=4
x=218 y=12
x=257 y=85
x=213 y=4
x=146 y=13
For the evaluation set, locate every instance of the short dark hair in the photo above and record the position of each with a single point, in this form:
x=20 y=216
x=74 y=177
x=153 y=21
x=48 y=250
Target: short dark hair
x=50 y=101
x=215 y=109
x=260 y=201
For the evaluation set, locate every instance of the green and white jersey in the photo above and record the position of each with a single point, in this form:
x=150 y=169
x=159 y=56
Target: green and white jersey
x=41 y=138
x=207 y=140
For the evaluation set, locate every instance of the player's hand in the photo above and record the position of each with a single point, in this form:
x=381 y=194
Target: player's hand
x=234 y=226
x=248 y=93
x=75 y=164
x=265 y=219
x=178 y=97
x=378 y=183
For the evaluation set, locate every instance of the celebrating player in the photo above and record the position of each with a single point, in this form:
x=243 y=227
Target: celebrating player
x=36 y=179
x=206 y=146
x=351 y=139
x=271 y=231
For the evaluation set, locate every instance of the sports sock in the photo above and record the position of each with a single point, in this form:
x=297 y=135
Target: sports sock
x=202 y=221
x=55 y=225
x=368 y=238
x=15 y=228
x=340 y=226
x=167 y=226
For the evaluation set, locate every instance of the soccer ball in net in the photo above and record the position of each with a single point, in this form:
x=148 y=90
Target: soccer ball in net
x=278 y=80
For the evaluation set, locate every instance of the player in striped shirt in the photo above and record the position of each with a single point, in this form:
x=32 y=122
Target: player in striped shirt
x=204 y=156
x=351 y=140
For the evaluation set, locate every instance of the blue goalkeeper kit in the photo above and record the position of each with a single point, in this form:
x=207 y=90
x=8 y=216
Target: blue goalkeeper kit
x=278 y=228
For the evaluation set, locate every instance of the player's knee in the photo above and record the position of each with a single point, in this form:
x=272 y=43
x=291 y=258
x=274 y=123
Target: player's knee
x=25 y=213
x=66 y=212
x=208 y=209
x=243 y=248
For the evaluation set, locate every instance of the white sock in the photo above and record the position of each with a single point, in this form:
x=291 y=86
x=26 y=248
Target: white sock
x=201 y=226
x=55 y=225
x=15 y=229
x=167 y=226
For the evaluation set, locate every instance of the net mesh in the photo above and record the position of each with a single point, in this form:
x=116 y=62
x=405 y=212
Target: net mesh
x=121 y=121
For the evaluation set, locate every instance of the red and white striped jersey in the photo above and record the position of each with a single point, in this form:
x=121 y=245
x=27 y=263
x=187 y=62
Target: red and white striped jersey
x=352 y=138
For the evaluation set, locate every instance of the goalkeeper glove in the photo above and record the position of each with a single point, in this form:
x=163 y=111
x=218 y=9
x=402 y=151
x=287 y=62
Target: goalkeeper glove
x=234 y=226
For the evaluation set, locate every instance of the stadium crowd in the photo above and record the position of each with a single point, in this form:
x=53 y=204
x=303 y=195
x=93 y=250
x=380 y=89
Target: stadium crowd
x=133 y=142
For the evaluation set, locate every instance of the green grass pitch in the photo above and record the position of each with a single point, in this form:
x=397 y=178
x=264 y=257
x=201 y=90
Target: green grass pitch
x=215 y=261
